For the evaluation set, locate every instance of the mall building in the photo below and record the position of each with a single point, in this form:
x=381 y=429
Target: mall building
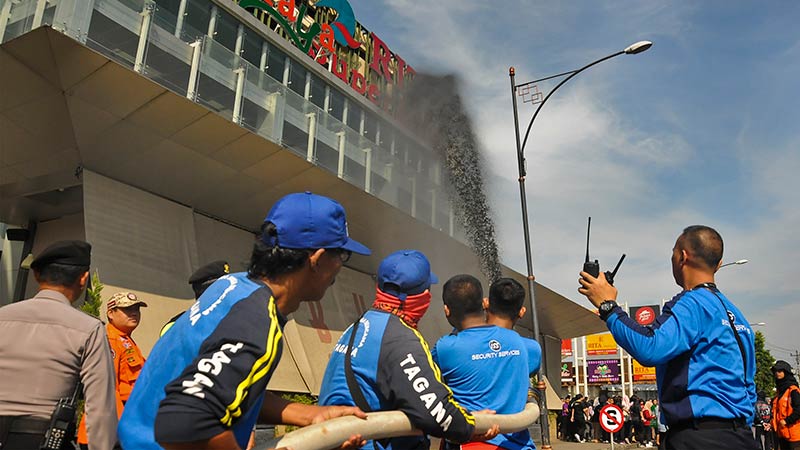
x=163 y=131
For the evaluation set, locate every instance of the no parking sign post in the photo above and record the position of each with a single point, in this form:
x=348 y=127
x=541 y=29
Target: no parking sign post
x=611 y=419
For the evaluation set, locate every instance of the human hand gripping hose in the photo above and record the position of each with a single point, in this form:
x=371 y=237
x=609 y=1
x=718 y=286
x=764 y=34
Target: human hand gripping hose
x=388 y=424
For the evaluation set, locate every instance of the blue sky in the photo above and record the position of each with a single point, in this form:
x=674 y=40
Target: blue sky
x=702 y=128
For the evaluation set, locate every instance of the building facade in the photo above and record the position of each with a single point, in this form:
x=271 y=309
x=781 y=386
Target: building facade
x=162 y=131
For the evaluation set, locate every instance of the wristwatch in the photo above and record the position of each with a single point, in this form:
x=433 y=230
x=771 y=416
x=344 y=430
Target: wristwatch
x=606 y=307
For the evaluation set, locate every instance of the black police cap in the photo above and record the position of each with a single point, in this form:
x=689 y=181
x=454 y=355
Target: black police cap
x=68 y=253
x=210 y=271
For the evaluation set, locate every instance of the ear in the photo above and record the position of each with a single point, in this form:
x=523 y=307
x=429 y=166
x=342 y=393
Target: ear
x=314 y=258
x=522 y=311
x=684 y=256
x=485 y=303
x=84 y=279
x=446 y=311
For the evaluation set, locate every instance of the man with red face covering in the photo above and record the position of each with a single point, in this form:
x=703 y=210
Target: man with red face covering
x=383 y=363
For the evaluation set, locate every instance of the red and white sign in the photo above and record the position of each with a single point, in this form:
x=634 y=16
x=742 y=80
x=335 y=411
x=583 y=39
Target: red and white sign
x=611 y=418
x=645 y=315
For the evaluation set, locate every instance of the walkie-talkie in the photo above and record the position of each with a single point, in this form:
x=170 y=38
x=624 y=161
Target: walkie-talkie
x=62 y=423
x=590 y=267
x=593 y=267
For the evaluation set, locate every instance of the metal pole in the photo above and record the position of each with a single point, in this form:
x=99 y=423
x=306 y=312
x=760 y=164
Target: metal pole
x=529 y=260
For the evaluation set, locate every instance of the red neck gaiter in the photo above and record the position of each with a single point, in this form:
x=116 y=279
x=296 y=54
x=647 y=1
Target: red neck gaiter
x=410 y=310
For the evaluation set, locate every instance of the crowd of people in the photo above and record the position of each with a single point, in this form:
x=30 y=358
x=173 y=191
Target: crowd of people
x=580 y=420
x=203 y=385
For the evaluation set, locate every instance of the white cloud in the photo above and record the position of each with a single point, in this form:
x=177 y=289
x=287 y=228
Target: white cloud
x=589 y=156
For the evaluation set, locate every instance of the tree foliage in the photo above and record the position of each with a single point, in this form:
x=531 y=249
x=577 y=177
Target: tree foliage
x=764 y=361
x=93 y=300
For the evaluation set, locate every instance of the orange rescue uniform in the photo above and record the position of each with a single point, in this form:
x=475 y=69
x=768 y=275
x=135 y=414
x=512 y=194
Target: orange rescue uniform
x=781 y=409
x=128 y=363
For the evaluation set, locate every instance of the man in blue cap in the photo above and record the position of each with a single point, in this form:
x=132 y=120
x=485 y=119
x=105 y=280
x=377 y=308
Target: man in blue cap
x=383 y=363
x=204 y=384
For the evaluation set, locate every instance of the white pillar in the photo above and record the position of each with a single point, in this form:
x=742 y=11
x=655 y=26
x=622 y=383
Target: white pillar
x=179 y=22
x=212 y=22
x=584 y=368
x=144 y=34
x=237 y=99
x=191 y=89
x=341 y=148
x=312 y=135
x=5 y=15
x=262 y=64
x=368 y=170
x=38 y=14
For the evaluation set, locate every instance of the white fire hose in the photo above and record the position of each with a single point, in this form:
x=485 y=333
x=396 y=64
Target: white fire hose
x=387 y=424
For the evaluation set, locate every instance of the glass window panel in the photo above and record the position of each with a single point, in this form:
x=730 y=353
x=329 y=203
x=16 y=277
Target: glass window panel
x=168 y=60
x=370 y=126
x=166 y=15
x=251 y=48
x=297 y=78
x=295 y=138
x=276 y=63
x=354 y=116
x=317 y=94
x=195 y=20
x=112 y=39
x=226 y=30
x=336 y=104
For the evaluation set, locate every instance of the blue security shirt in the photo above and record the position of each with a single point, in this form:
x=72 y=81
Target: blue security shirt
x=489 y=367
x=393 y=368
x=208 y=374
x=699 y=367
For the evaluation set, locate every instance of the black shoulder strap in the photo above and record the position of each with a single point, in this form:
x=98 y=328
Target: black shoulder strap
x=733 y=327
x=352 y=384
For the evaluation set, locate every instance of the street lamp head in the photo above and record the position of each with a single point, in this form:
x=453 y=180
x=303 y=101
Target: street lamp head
x=638 y=47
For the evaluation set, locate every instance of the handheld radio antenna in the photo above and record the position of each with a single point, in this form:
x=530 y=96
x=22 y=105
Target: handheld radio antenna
x=588 y=229
x=619 y=263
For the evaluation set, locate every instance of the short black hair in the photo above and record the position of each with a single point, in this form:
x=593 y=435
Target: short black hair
x=60 y=274
x=506 y=297
x=268 y=261
x=705 y=243
x=463 y=295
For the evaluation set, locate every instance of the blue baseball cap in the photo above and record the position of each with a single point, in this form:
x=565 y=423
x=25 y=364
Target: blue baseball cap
x=408 y=270
x=306 y=220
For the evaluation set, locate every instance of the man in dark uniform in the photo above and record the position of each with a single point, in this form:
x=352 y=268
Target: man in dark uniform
x=47 y=347
x=701 y=345
x=200 y=280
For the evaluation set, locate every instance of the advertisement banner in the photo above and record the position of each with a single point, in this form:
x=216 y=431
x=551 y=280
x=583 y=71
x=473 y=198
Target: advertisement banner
x=645 y=315
x=642 y=373
x=566 y=348
x=567 y=373
x=601 y=344
x=603 y=371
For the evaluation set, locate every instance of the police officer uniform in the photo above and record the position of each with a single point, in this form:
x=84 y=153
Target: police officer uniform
x=46 y=348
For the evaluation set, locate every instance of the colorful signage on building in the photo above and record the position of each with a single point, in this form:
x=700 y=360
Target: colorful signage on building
x=601 y=344
x=642 y=373
x=603 y=371
x=567 y=373
x=368 y=75
x=645 y=315
x=566 y=348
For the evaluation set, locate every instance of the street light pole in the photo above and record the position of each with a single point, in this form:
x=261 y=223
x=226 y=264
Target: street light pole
x=633 y=49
